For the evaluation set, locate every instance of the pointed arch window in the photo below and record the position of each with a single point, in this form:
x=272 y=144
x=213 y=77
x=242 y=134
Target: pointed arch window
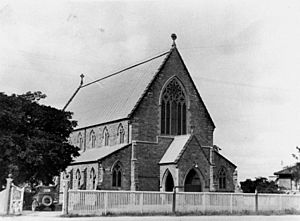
x=222 y=179
x=93 y=139
x=93 y=178
x=117 y=175
x=78 y=178
x=80 y=141
x=173 y=109
x=106 y=136
x=121 y=134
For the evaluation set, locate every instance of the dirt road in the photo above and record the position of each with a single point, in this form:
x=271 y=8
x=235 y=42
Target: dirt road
x=55 y=216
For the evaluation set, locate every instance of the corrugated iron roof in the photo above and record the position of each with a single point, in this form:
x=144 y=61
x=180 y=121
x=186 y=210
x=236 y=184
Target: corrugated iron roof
x=95 y=154
x=175 y=149
x=115 y=97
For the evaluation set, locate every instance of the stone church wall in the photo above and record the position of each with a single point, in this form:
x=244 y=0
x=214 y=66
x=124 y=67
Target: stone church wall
x=194 y=158
x=146 y=119
x=148 y=156
x=112 y=130
x=124 y=157
x=220 y=162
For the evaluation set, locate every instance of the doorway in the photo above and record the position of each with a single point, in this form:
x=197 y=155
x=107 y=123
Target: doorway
x=192 y=182
x=169 y=183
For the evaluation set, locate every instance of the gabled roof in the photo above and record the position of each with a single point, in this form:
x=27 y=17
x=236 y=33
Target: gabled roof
x=115 y=97
x=288 y=170
x=176 y=149
x=95 y=154
x=220 y=155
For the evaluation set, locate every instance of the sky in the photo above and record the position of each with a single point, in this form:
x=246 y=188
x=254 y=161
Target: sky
x=242 y=55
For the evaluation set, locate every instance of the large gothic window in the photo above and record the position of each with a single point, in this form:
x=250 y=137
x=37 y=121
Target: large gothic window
x=173 y=109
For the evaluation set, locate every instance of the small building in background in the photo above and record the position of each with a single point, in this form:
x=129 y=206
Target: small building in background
x=288 y=178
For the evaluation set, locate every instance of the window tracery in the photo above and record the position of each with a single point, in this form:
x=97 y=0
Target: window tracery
x=117 y=175
x=173 y=109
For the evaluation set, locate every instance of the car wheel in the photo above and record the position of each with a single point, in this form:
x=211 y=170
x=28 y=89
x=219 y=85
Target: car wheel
x=34 y=205
x=47 y=200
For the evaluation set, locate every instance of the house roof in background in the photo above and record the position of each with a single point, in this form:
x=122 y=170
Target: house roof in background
x=288 y=170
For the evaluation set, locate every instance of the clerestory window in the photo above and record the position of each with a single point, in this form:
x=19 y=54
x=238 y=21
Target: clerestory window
x=173 y=109
x=80 y=141
x=93 y=138
x=121 y=134
x=106 y=136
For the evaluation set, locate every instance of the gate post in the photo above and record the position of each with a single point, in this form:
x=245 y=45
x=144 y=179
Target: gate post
x=65 y=197
x=8 y=191
x=256 y=201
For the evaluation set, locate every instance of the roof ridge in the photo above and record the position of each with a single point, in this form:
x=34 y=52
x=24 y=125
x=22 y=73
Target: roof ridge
x=125 y=69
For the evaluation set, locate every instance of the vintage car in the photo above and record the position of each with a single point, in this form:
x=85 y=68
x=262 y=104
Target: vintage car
x=45 y=197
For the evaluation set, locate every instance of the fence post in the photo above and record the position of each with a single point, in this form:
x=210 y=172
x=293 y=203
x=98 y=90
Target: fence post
x=8 y=195
x=231 y=203
x=141 y=201
x=280 y=202
x=256 y=201
x=105 y=202
x=204 y=202
x=174 y=200
x=65 y=197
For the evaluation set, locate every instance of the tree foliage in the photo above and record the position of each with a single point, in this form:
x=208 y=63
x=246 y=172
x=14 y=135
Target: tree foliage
x=296 y=169
x=33 y=139
x=261 y=184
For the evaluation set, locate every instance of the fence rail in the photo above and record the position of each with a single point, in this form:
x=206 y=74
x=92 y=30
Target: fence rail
x=102 y=202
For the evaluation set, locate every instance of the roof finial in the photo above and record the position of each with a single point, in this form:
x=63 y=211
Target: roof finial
x=81 y=82
x=174 y=37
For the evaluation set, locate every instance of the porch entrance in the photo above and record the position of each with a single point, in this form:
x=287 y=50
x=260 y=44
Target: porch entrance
x=192 y=182
x=169 y=184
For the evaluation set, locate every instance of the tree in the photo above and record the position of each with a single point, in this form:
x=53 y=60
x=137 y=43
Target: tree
x=33 y=139
x=261 y=184
x=296 y=168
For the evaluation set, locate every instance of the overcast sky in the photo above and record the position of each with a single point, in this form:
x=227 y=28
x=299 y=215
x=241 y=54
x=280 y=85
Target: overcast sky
x=244 y=57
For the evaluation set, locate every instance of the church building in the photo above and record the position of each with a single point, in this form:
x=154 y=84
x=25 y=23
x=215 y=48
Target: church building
x=146 y=128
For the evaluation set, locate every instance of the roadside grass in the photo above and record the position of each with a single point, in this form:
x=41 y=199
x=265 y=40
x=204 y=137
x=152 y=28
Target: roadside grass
x=196 y=213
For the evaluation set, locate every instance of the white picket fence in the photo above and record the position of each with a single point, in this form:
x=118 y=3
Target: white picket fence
x=103 y=202
x=95 y=202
